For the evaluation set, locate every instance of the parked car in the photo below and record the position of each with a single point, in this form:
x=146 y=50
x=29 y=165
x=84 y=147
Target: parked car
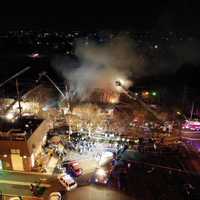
x=67 y=181
x=72 y=167
x=55 y=196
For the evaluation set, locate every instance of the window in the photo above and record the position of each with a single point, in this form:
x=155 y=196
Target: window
x=15 y=151
x=1 y=165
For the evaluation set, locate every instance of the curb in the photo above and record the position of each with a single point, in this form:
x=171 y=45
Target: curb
x=27 y=172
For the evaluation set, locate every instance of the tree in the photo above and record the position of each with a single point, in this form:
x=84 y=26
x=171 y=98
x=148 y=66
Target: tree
x=90 y=115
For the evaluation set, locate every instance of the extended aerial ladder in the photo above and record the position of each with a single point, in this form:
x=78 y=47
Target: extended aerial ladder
x=134 y=97
x=54 y=84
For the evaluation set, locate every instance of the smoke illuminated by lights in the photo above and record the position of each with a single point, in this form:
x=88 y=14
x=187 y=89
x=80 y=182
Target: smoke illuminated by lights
x=114 y=100
x=99 y=66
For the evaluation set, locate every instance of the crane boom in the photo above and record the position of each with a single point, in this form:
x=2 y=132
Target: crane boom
x=15 y=75
x=52 y=82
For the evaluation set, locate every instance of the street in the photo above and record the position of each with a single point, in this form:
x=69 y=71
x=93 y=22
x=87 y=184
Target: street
x=93 y=192
x=18 y=183
x=168 y=170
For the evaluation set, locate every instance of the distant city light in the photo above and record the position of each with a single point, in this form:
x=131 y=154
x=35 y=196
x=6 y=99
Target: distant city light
x=146 y=93
x=35 y=55
x=154 y=93
x=136 y=94
x=155 y=46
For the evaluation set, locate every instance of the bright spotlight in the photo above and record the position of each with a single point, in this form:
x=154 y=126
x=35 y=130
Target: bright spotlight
x=10 y=116
x=123 y=83
x=118 y=83
x=101 y=172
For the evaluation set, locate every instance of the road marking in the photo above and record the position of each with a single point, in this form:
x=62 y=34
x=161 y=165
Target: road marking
x=22 y=183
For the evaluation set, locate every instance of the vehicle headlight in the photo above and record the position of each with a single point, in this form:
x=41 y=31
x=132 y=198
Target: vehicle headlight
x=101 y=172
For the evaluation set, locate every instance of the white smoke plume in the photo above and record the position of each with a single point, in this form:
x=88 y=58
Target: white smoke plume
x=99 y=66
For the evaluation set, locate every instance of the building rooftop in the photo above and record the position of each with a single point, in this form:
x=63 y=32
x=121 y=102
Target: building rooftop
x=21 y=129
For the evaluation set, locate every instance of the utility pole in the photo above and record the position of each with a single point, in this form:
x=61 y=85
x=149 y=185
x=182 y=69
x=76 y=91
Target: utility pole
x=18 y=99
x=17 y=86
x=192 y=110
x=68 y=94
x=184 y=96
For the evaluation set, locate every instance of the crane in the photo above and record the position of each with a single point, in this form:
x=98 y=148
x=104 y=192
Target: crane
x=52 y=82
x=17 y=86
x=15 y=75
x=62 y=94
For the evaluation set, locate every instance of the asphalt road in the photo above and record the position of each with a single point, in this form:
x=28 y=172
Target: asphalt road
x=18 y=183
x=93 y=192
x=141 y=183
x=160 y=183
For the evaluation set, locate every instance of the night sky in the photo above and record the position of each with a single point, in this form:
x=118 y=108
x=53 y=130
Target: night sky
x=174 y=15
x=162 y=18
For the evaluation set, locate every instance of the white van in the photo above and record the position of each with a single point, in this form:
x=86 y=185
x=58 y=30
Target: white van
x=67 y=181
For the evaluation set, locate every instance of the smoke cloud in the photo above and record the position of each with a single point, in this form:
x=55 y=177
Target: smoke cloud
x=99 y=66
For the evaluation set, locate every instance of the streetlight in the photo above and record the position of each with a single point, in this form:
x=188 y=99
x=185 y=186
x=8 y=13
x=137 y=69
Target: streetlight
x=146 y=93
x=154 y=94
x=69 y=122
x=181 y=114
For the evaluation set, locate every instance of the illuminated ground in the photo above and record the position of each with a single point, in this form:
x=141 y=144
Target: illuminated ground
x=96 y=193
